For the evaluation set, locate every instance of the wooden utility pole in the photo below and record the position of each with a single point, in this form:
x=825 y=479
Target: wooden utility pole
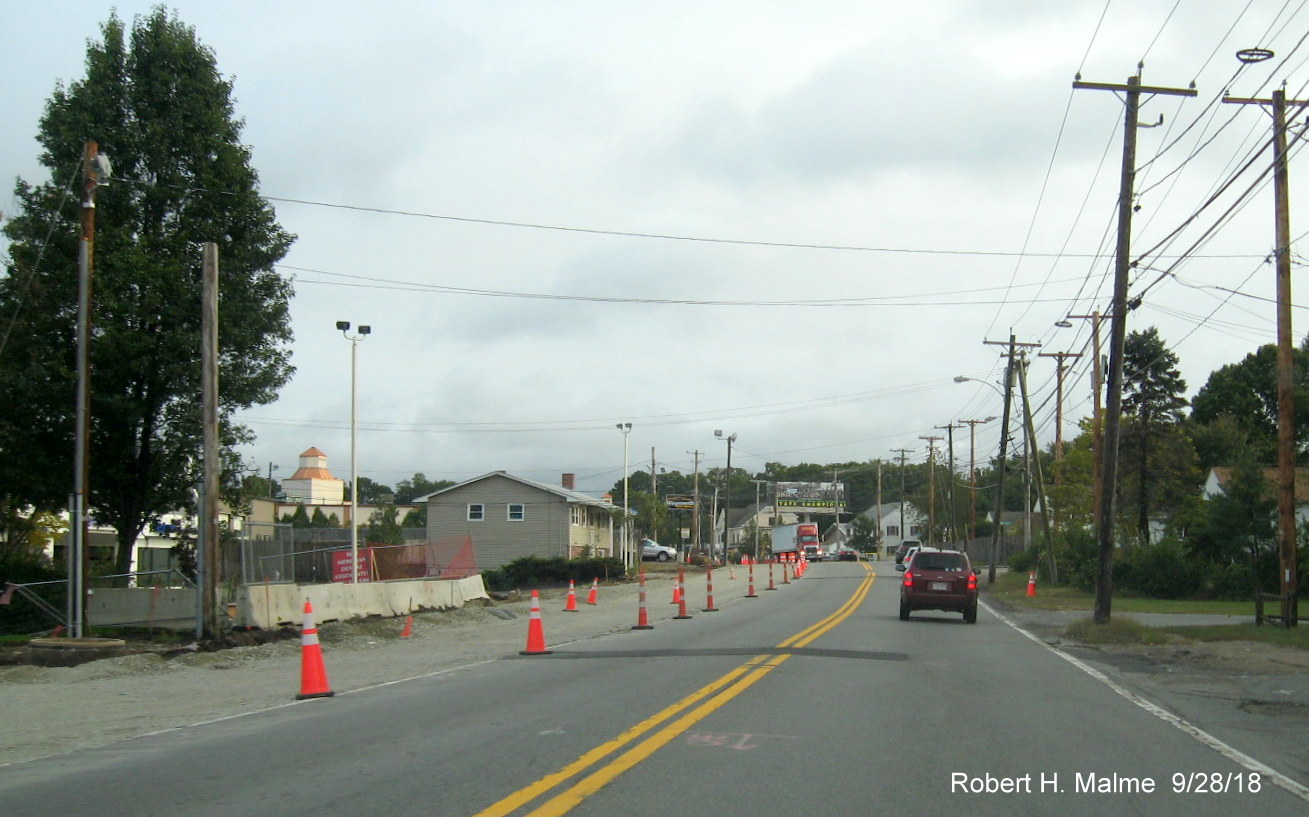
x=1013 y=347
x=931 y=489
x=949 y=428
x=1061 y=367
x=904 y=525
x=1052 y=566
x=877 y=538
x=972 y=475
x=1118 y=330
x=209 y=414
x=1097 y=419
x=695 y=511
x=1285 y=360
x=79 y=553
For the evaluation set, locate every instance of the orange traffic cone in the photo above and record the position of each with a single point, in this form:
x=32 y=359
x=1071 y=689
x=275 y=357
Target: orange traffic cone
x=786 y=572
x=571 y=606
x=681 y=594
x=1031 y=584
x=313 y=675
x=408 y=630
x=535 y=630
x=750 y=594
x=771 y=586
x=593 y=597
x=642 y=617
x=709 y=586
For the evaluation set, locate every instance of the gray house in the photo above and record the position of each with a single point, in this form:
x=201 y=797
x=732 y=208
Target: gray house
x=508 y=517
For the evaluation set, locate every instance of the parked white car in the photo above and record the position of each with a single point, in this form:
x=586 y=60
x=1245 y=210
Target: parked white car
x=653 y=551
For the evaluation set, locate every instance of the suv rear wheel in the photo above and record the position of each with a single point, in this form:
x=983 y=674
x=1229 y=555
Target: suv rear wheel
x=970 y=614
x=904 y=611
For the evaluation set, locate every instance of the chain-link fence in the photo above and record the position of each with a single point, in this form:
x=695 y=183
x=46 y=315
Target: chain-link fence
x=279 y=553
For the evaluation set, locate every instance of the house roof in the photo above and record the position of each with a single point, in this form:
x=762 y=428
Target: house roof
x=309 y=472
x=1223 y=474
x=313 y=452
x=888 y=508
x=571 y=496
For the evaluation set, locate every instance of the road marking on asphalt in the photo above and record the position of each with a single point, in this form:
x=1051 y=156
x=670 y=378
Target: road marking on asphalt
x=696 y=707
x=1224 y=749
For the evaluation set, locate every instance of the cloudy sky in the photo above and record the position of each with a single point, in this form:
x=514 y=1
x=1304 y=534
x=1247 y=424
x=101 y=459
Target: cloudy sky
x=795 y=222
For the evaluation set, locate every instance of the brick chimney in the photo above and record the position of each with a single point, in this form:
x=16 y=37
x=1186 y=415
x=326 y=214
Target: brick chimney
x=569 y=482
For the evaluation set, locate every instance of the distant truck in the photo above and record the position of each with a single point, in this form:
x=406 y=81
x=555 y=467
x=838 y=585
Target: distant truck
x=801 y=538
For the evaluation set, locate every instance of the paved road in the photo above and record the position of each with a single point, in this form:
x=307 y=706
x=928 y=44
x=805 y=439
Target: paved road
x=814 y=698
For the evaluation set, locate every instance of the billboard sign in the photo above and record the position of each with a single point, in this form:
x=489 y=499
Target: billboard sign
x=679 y=502
x=816 y=497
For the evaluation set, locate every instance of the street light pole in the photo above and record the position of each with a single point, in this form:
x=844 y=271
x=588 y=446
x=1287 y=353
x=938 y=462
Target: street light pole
x=626 y=429
x=364 y=331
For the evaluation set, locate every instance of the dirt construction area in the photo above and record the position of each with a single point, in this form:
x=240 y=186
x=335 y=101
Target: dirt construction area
x=52 y=710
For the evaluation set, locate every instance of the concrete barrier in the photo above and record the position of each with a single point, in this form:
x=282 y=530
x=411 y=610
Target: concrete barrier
x=267 y=606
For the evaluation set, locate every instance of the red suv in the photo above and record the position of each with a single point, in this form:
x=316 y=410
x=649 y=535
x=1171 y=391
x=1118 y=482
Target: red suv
x=939 y=580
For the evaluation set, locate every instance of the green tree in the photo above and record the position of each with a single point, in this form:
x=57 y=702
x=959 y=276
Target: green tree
x=300 y=518
x=1246 y=394
x=407 y=490
x=155 y=102
x=386 y=530
x=1152 y=395
x=372 y=493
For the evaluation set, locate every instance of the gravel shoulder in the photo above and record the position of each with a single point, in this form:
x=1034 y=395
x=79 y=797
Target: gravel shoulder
x=53 y=710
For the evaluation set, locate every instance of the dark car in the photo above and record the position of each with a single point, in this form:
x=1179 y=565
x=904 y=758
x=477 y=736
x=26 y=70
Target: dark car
x=905 y=544
x=848 y=555
x=940 y=580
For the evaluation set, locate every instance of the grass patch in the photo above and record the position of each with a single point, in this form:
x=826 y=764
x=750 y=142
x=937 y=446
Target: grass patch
x=1119 y=630
x=1267 y=634
x=1011 y=588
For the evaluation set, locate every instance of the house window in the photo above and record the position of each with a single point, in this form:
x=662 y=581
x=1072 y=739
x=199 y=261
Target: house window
x=476 y=512
x=578 y=517
x=517 y=512
x=892 y=530
x=915 y=530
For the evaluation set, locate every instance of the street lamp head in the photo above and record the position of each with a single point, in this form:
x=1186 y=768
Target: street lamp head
x=718 y=432
x=1064 y=324
x=961 y=379
x=624 y=427
x=365 y=330
x=344 y=326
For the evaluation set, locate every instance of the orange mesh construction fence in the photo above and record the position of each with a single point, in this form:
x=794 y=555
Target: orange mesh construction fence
x=448 y=558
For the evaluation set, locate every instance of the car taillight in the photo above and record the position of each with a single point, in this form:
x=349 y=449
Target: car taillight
x=908 y=580
x=972 y=582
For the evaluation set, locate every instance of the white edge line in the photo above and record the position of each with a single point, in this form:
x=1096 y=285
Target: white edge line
x=1230 y=752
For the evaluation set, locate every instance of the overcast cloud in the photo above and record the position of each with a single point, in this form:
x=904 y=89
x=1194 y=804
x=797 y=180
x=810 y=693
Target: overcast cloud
x=916 y=143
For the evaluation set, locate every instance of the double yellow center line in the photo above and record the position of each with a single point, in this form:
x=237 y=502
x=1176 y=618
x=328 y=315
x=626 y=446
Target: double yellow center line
x=675 y=720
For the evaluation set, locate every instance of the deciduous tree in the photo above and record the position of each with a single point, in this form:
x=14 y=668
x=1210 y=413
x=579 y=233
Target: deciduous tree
x=154 y=100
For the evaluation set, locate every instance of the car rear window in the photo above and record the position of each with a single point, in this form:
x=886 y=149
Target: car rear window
x=948 y=562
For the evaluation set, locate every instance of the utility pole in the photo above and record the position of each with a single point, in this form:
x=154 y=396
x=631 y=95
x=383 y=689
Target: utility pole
x=1013 y=345
x=972 y=475
x=931 y=489
x=1059 y=357
x=1285 y=365
x=877 y=539
x=695 y=511
x=209 y=412
x=1040 y=477
x=79 y=557
x=1118 y=330
x=904 y=526
x=1097 y=418
x=949 y=431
